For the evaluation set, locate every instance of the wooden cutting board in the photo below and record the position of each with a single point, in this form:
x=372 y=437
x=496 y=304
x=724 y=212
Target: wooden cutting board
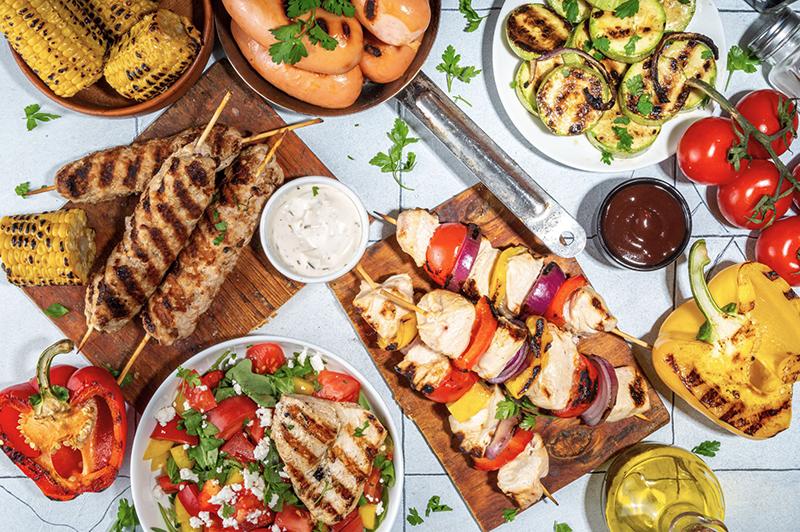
x=574 y=449
x=252 y=292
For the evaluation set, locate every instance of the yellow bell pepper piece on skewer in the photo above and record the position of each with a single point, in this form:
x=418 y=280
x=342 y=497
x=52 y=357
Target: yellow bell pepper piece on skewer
x=497 y=283
x=471 y=402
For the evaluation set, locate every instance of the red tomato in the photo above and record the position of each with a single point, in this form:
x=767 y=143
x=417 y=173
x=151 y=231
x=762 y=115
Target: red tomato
x=267 y=358
x=212 y=378
x=738 y=198
x=351 y=523
x=238 y=446
x=760 y=108
x=796 y=174
x=171 y=432
x=454 y=385
x=482 y=333
x=336 y=386
x=442 y=252
x=555 y=311
x=778 y=247
x=246 y=504
x=703 y=151
x=190 y=498
x=584 y=389
x=210 y=488
x=515 y=446
x=256 y=431
x=230 y=415
x=166 y=484
x=293 y=519
x=200 y=397
x=373 y=489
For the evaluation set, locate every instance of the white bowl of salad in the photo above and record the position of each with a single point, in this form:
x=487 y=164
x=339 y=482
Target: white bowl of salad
x=265 y=433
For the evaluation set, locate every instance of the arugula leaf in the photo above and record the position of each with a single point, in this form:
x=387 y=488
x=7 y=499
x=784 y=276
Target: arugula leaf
x=56 y=310
x=507 y=408
x=392 y=162
x=274 y=483
x=473 y=19
x=571 y=10
x=206 y=453
x=704 y=333
x=627 y=9
x=259 y=388
x=23 y=189
x=453 y=70
x=363 y=402
x=707 y=448
x=509 y=514
x=126 y=517
x=561 y=527
x=222 y=361
x=606 y=157
x=625 y=140
x=33 y=116
x=413 y=517
x=630 y=46
x=740 y=59
x=644 y=105
x=602 y=44
x=434 y=505
x=173 y=471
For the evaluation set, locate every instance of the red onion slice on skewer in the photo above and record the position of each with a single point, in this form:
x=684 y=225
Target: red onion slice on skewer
x=502 y=435
x=606 y=397
x=513 y=366
x=466 y=258
x=543 y=291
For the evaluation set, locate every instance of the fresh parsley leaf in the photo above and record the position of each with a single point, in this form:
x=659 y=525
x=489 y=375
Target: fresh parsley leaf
x=507 y=408
x=602 y=44
x=413 y=517
x=434 y=505
x=23 y=189
x=317 y=35
x=707 y=54
x=314 y=190
x=513 y=84
x=227 y=510
x=707 y=448
x=452 y=69
x=644 y=105
x=528 y=422
x=359 y=431
x=470 y=15
x=189 y=376
x=509 y=514
x=289 y=48
x=635 y=85
x=704 y=333
x=740 y=59
x=339 y=7
x=295 y=8
x=624 y=139
x=56 y=310
x=606 y=157
x=627 y=9
x=630 y=46
x=126 y=517
x=33 y=116
x=392 y=162
x=561 y=527
x=222 y=227
x=115 y=373
x=571 y=10
x=622 y=120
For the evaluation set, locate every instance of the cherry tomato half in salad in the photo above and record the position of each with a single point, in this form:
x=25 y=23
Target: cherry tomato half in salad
x=166 y=485
x=199 y=396
x=762 y=108
x=293 y=519
x=246 y=504
x=778 y=246
x=584 y=389
x=515 y=446
x=171 y=432
x=266 y=358
x=738 y=199
x=230 y=415
x=555 y=311
x=239 y=447
x=351 y=523
x=703 y=151
x=482 y=333
x=373 y=489
x=453 y=386
x=336 y=386
x=210 y=489
x=442 y=252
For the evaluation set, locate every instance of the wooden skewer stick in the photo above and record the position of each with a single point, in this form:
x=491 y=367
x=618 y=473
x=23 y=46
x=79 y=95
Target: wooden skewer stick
x=40 y=190
x=133 y=357
x=214 y=118
x=283 y=129
x=385 y=217
x=391 y=296
x=85 y=338
x=632 y=339
x=643 y=417
x=270 y=154
x=549 y=495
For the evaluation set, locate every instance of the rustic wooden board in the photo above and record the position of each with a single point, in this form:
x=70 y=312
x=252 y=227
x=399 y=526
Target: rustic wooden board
x=252 y=292
x=574 y=449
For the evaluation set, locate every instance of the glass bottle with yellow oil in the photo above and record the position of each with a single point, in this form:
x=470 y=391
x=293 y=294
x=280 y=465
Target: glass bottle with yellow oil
x=658 y=488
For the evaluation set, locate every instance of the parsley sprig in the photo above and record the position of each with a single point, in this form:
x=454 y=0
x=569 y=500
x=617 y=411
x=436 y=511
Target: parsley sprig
x=126 y=520
x=571 y=10
x=56 y=310
x=707 y=448
x=561 y=527
x=627 y=9
x=359 y=431
x=392 y=161
x=470 y=15
x=509 y=514
x=740 y=59
x=453 y=70
x=290 y=46
x=33 y=116
x=413 y=517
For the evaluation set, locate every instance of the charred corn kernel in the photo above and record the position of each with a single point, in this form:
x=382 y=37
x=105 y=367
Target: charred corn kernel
x=53 y=248
x=58 y=39
x=119 y=16
x=152 y=55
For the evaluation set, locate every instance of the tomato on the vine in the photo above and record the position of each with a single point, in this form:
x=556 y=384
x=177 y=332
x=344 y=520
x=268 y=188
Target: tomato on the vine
x=738 y=199
x=763 y=108
x=778 y=246
x=796 y=174
x=703 y=151
x=442 y=252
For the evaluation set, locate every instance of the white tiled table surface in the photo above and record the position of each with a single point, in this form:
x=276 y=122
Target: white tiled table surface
x=761 y=480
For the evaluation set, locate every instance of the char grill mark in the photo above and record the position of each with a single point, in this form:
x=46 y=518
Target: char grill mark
x=371 y=9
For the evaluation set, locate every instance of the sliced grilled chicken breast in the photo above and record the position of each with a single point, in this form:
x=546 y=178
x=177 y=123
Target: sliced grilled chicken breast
x=507 y=340
x=475 y=434
x=632 y=396
x=521 y=477
x=381 y=314
x=586 y=312
x=423 y=367
x=551 y=390
x=477 y=283
x=523 y=269
x=447 y=324
x=415 y=228
x=327 y=460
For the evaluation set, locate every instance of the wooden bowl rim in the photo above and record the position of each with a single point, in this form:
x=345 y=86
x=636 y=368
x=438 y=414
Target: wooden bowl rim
x=181 y=85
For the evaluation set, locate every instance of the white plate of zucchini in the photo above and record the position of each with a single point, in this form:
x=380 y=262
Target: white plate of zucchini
x=576 y=76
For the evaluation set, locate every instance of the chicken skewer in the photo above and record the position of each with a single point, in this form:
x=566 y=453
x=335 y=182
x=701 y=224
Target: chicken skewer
x=585 y=311
x=190 y=287
x=125 y=170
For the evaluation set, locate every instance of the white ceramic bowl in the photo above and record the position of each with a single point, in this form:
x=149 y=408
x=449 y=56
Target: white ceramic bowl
x=275 y=200
x=143 y=480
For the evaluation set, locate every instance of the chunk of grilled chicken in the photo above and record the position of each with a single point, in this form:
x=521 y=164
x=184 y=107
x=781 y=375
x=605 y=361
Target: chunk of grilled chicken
x=559 y=361
x=507 y=340
x=125 y=170
x=415 y=228
x=423 y=367
x=327 y=463
x=521 y=477
x=475 y=434
x=447 y=324
x=632 y=396
x=386 y=318
x=477 y=283
x=586 y=312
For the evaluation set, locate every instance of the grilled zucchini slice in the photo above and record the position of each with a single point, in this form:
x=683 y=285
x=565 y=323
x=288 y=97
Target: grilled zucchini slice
x=580 y=40
x=565 y=97
x=574 y=11
x=680 y=60
x=632 y=38
x=620 y=136
x=527 y=79
x=606 y=5
x=534 y=29
x=679 y=13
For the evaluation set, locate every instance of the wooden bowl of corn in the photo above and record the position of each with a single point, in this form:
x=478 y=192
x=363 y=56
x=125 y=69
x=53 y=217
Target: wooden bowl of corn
x=110 y=57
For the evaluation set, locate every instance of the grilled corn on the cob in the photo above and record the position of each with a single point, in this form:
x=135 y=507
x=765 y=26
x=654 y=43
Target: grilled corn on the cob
x=152 y=55
x=53 y=248
x=118 y=16
x=58 y=39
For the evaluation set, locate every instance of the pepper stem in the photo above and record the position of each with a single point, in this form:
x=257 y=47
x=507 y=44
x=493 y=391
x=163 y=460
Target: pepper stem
x=698 y=260
x=46 y=391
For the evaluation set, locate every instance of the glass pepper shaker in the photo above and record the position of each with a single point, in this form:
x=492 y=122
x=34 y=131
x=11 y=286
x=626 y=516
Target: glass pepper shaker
x=777 y=43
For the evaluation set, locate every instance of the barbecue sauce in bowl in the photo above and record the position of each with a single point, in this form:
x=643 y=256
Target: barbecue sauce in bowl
x=644 y=224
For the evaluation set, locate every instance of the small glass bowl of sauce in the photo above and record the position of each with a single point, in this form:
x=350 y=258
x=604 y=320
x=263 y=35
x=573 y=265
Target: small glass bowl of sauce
x=644 y=224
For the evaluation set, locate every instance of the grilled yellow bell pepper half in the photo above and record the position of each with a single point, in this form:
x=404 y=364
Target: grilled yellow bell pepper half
x=540 y=337
x=497 y=283
x=733 y=351
x=406 y=332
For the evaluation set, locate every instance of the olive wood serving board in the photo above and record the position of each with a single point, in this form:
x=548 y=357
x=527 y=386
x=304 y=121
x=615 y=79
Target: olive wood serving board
x=574 y=449
x=250 y=294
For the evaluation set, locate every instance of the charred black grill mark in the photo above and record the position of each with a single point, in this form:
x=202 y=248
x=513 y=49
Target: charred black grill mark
x=297 y=446
x=185 y=199
x=323 y=433
x=173 y=221
x=106 y=297
x=161 y=243
x=342 y=491
x=129 y=281
x=534 y=32
x=132 y=172
x=349 y=464
x=197 y=173
x=637 y=391
x=76 y=181
x=374 y=51
x=370 y=9
x=106 y=171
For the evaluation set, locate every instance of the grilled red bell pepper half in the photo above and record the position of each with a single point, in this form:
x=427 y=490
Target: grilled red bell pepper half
x=66 y=428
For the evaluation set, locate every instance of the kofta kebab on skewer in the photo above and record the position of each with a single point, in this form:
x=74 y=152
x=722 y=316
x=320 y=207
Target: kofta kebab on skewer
x=125 y=170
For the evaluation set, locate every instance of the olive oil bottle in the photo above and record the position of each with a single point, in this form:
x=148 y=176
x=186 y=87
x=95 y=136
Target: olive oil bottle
x=659 y=488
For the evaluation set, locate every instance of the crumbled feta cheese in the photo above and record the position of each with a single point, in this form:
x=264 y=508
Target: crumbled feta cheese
x=165 y=415
x=186 y=406
x=219 y=469
x=290 y=363
x=275 y=528
x=158 y=493
x=379 y=508
x=186 y=446
x=237 y=388
x=273 y=501
x=230 y=522
x=283 y=474
x=317 y=363
x=301 y=358
x=227 y=495
x=202 y=387
x=205 y=518
x=264 y=416
x=188 y=474
x=262 y=449
x=195 y=522
x=254 y=482
x=253 y=516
